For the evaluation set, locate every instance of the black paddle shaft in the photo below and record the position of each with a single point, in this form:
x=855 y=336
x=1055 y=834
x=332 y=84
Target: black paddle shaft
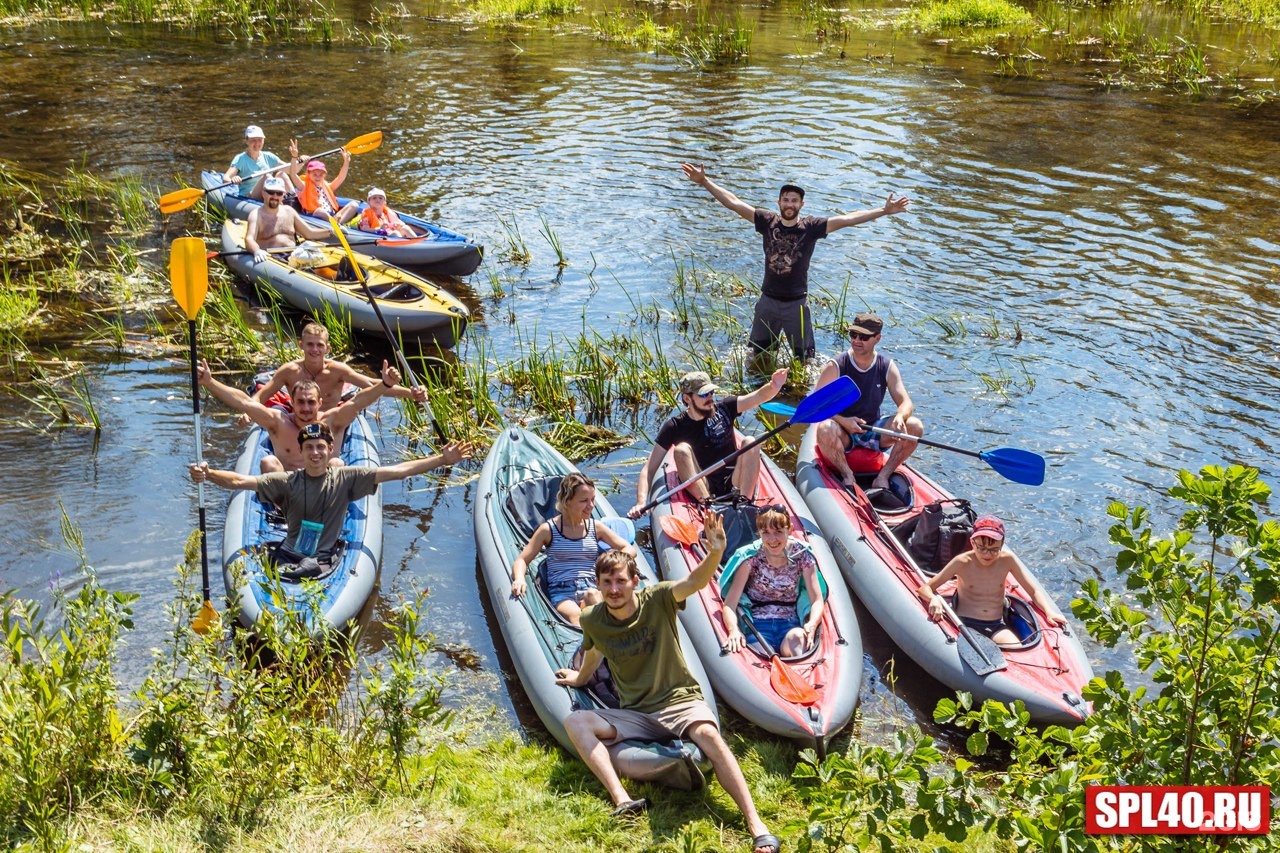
x=195 y=411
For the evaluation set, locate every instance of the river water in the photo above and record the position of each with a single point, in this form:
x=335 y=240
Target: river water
x=1131 y=237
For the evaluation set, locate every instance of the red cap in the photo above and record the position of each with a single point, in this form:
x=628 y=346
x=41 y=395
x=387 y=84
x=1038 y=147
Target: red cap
x=988 y=526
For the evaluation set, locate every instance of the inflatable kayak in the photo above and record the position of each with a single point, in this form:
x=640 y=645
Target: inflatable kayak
x=517 y=492
x=868 y=532
x=748 y=679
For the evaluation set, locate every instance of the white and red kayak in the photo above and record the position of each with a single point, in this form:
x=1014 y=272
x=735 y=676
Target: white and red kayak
x=829 y=675
x=867 y=535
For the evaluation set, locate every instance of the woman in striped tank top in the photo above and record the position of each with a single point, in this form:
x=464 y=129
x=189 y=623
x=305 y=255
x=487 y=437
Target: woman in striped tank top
x=571 y=542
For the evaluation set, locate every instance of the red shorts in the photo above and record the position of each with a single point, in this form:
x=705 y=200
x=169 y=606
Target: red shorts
x=861 y=460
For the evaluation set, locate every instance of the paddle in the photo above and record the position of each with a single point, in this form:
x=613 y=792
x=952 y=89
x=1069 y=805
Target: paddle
x=784 y=680
x=819 y=405
x=681 y=530
x=395 y=344
x=189 y=275
x=1020 y=466
x=184 y=198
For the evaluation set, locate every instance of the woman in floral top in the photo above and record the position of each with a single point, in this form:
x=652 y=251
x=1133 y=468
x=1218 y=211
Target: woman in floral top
x=771 y=580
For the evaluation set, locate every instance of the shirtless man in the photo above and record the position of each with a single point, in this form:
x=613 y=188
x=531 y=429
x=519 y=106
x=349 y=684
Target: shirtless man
x=980 y=577
x=329 y=374
x=275 y=225
x=283 y=426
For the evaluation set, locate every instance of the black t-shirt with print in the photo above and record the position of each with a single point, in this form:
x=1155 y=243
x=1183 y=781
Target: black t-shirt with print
x=787 y=250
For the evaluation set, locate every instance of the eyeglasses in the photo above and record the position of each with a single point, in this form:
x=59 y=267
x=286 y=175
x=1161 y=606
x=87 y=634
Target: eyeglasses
x=859 y=336
x=994 y=549
x=274 y=192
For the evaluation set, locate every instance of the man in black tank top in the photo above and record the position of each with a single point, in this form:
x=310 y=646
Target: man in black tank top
x=846 y=436
x=789 y=240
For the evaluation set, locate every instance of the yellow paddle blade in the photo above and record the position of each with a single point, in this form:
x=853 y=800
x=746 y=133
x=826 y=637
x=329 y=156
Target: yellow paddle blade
x=681 y=530
x=189 y=274
x=180 y=199
x=362 y=144
x=342 y=238
x=206 y=620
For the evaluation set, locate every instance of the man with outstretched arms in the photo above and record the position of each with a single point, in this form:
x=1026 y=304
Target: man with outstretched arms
x=789 y=240
x=635 y=631
x=283 y=426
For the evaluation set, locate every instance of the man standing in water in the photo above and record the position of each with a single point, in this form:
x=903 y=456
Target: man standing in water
x=635 y=631
x=783 y=307
x=275 y=225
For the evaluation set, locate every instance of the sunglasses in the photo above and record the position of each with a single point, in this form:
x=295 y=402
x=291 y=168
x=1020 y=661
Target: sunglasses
x=859 y=336
x=705 y=396
x=274 y=192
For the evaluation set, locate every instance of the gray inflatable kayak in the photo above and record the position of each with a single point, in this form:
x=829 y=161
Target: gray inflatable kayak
x=867 y=534
x=517 y=492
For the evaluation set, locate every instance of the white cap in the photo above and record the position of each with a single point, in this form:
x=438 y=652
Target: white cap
x=375 y=191
x=254 y=132
x=273 y=185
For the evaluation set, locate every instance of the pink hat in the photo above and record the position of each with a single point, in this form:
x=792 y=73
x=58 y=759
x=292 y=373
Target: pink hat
x=316 y=164
x=988 y=526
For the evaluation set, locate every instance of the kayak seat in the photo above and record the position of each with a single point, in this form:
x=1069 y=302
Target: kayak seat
x=531 y=502
x=739 y=527
x=401 y=292
x=898 y=499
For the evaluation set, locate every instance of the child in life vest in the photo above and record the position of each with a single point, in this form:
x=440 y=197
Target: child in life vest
x=316 y=195
x=377 y=218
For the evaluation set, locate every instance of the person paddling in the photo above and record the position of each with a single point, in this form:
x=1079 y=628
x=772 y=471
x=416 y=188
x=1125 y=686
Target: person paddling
x=789 y=240
x=254 y=160
x=634 y=630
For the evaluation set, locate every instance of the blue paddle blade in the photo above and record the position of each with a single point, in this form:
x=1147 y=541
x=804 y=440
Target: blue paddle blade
x=826 y=402
x=621 y=526
x=1020 y=466
x=775 y=408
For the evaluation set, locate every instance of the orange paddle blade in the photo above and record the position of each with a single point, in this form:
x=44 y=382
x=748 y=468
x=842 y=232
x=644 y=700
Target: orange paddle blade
x=180 y=199
x=362 y=144
x=189 y=274
x=681 y=530
x=788 y=683
x=206 y=620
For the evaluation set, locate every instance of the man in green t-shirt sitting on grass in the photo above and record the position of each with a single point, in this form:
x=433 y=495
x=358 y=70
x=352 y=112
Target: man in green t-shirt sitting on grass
x=635 y=631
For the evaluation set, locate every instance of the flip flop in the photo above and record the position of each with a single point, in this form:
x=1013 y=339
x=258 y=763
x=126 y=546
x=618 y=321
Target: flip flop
x=631 y=807
x=766 y=840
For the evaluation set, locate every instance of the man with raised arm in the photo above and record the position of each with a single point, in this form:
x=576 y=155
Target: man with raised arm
x=282 y=427
x=635 y=631
x=703 y=434
x=331 y=375
x=789 y=239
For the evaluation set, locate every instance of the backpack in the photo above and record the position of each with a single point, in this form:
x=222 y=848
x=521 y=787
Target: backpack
x=941 y=533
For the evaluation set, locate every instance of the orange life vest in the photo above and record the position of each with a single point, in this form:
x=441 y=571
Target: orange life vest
x=310 y=196
x=371 y=221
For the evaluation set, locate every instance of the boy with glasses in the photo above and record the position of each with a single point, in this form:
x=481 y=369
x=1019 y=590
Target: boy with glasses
x=844 y=441
x=275 y=225
x=703 y=434
x=980 y=577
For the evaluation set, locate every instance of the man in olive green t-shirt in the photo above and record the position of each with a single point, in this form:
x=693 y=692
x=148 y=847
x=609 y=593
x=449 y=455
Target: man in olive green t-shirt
x=635 y=631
